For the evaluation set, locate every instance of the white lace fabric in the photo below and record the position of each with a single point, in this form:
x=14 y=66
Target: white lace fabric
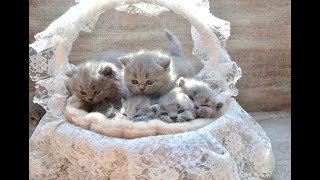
x=232 y=147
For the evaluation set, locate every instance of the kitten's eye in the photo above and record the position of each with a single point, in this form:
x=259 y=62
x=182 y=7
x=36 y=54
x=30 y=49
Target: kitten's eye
x=181 y=111
x=219 y=105
x=191 y=97
x=149 y=82
x=163 y=113
x=206 y=105
x=134 y=82
x=97 y=92
x=83 y=93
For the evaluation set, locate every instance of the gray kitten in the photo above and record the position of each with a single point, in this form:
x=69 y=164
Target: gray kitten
x=182 y=65
x=36 y=112
x=206 y=101
x=140 y=108
x=176 y=106
x=99 y=83
x=148 y=73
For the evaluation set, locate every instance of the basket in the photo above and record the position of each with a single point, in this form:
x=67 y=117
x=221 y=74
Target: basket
x=232 y=146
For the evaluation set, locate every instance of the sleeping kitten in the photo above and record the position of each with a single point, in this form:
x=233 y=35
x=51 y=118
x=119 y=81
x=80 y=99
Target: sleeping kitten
x=207 y=102
x=98 y=83
x=182 y=65
x=139 y=108
x=148 y=73
x=176 y=106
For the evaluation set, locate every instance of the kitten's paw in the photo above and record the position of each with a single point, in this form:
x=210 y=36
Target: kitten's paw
x=156 y=110
x=110 y=115
x=166 y=118
x=140 y=118
x=185 y=116
x=181 y=119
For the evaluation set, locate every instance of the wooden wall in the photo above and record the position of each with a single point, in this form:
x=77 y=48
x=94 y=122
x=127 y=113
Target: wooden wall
x=260 y=42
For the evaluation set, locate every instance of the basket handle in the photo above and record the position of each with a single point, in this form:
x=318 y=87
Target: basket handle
x=65 y=30
x=76 y=18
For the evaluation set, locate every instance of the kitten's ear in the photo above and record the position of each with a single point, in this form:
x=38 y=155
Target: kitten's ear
x=71 y=72
x=181 y=82
x=107 y=72
x=165 y=63
x=156 y=109
x=124 y=60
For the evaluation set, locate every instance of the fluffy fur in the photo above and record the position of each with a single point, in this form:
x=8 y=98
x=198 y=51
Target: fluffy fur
x=36 y=112
x=98 y=83
x=207 y=102
x=176 y=106
x=139 y=108
x=182 y=65
x=148 y=73
x=122 y=127
x=109 y=107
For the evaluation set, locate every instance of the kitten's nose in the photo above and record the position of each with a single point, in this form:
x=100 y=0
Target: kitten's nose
x=174 y=117
x=196 y=107
x=90 y=99
x=141 y=88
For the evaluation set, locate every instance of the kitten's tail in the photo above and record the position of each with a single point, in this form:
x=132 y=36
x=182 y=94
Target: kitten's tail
x=175 y=45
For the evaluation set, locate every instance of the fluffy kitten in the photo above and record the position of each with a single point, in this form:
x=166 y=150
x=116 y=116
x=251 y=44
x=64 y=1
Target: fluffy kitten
x=36 y=112
x=182 y=65
x=176 y=106
x=148 y=73
x=139 y=108
x=207 y=102
x=98 y=83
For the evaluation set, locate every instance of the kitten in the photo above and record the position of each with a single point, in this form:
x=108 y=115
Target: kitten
x=148 y=73
x=182 y=65
x=207 y=102
x=99 y=83
x=36 y=112
x=139 y=108
x=176 y=106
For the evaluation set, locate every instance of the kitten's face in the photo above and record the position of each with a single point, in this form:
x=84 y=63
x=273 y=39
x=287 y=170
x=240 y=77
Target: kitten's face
x=173 y=111
x=138 y=108
x=205 y=100
x=146 y=74
x=94 y=82
x=175 y=103
x=150 y=112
